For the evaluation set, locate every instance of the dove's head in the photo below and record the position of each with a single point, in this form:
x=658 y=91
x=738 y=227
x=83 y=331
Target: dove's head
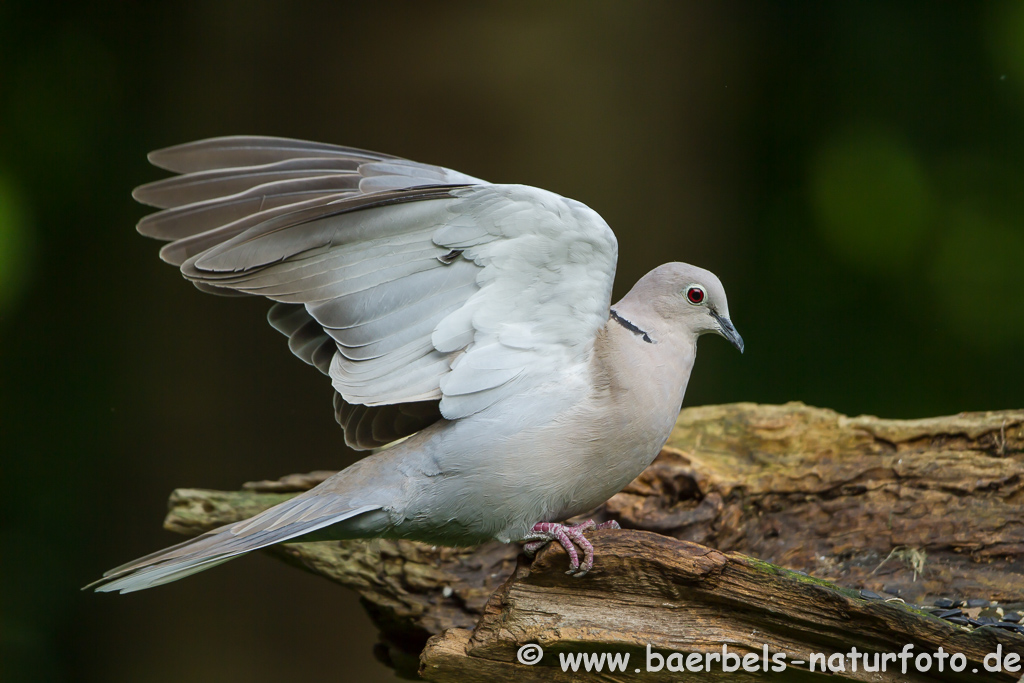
x=689 y=297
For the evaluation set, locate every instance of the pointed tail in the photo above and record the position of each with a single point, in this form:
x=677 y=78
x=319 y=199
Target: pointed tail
x=284 y=522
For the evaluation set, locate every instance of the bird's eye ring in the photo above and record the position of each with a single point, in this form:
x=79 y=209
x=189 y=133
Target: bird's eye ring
x=695 y=295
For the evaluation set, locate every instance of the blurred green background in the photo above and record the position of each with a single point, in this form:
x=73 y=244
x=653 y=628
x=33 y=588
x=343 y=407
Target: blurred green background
x=852 y=171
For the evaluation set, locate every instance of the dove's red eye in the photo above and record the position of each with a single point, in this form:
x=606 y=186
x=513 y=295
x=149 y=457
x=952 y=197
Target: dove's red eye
x=695 y=295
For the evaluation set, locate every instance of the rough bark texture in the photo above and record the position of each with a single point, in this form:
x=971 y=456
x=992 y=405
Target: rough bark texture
x=911 y=508
x=678 y=596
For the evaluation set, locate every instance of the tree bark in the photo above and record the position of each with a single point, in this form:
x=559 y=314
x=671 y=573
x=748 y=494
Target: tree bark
x=911 y=509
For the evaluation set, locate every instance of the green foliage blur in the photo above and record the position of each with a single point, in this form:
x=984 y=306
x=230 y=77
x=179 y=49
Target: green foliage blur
x=852 y=171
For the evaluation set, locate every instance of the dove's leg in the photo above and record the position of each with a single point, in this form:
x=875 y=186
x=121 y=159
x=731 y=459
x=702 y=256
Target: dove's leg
x=566 y=535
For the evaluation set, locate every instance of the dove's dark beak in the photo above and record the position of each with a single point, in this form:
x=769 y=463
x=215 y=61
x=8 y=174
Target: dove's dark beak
x=728 y=330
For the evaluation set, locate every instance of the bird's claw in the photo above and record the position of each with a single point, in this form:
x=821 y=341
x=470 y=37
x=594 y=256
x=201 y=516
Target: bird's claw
x=568 y=536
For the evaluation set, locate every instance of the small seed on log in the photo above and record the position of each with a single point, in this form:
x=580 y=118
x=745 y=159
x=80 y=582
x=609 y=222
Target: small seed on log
x=947 y=613
x=1009 y=627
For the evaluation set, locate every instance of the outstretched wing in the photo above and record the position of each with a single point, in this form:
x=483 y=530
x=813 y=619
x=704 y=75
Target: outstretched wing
x=408 y=284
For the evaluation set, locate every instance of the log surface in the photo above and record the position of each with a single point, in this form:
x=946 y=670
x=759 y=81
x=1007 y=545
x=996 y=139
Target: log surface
x=913 y=509
x=834 y=496
x=681 y=597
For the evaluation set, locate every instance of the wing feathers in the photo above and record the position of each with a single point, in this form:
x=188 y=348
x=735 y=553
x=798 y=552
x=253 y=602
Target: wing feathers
x=191 y=219
x=289 y=234
x=249 y=150
x=406 y=283
x=207 y=185
x=375 y=426
x=181 y=250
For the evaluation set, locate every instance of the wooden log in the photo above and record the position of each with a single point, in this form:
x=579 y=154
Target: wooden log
x=916 y=508
x=909 y=508
x=654 y=594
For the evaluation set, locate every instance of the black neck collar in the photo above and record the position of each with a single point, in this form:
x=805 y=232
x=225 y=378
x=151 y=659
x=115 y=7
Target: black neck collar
x=630 y=326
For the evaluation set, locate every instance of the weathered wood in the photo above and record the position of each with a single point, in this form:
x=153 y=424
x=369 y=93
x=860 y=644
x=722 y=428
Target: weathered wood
x=811 y=489
x=913 y=508
x=678 y=596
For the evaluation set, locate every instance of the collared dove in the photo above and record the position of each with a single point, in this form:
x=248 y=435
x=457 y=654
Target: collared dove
x=470 y=319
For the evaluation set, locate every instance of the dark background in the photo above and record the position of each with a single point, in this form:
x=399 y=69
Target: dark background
x=852 y=171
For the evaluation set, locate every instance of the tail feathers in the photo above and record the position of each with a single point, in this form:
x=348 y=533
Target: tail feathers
x=284 y=522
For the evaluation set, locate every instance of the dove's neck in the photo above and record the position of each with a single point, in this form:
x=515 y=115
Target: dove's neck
x=647 y=364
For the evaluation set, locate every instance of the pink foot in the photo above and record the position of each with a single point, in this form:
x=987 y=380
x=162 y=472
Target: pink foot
x=567 y=534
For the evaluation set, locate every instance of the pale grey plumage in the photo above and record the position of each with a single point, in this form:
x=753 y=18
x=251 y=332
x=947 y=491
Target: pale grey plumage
x=472 y=318
x=242 y=151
